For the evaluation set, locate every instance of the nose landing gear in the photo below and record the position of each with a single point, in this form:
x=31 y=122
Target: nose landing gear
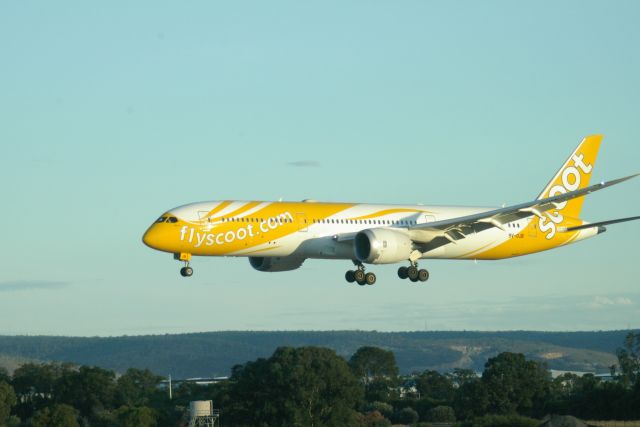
x=359 y=276
x=185 y=271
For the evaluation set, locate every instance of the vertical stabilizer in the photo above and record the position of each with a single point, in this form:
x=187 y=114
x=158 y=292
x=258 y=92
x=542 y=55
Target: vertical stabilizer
x=574 y=174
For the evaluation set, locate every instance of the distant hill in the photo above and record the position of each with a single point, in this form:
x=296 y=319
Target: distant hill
x=215 y=353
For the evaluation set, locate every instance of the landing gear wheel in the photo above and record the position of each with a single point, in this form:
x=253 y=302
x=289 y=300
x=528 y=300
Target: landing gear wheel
x=370 y=278
x=423 y=275
x=350 y=276
x=186 y=271
x=402 y=272
x=359 y=276
x=412 y=273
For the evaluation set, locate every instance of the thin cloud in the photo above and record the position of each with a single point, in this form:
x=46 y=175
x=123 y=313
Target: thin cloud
x=602 y=302
x=553 y=312
x=304 y=164
x=31 y=285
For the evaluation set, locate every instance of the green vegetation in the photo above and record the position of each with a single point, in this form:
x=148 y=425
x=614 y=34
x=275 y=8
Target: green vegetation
x=58 y=415
x=7 y=401
x=314 y=386
x=307 y=386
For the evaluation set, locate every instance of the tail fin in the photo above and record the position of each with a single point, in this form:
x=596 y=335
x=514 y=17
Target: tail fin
x=574 y=174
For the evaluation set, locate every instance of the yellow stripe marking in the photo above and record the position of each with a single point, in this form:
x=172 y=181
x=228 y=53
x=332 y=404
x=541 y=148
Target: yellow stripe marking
x=238 y=211
x=219 y=208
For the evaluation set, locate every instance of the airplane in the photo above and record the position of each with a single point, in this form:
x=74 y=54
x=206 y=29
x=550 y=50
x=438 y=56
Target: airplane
x=280 y=236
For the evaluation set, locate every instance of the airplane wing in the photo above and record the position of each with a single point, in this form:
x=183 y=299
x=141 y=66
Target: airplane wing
x=450 y=230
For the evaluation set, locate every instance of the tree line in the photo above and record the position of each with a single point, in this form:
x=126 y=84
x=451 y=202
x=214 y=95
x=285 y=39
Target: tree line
x=313 y=386
x=188 y=355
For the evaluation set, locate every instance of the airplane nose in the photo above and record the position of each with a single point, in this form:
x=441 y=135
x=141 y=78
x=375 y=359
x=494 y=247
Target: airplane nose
x=148 y=237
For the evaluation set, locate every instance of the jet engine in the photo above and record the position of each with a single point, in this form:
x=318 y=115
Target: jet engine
x=271 y=264
x=382 y=246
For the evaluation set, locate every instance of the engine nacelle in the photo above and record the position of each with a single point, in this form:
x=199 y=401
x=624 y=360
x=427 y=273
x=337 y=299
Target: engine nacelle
x=272 y=264
x=382 y=246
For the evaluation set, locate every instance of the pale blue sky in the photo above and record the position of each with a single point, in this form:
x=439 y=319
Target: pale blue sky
x=113 y=112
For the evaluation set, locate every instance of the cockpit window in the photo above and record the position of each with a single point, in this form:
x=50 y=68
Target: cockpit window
x=161 y=219
x=172 y=219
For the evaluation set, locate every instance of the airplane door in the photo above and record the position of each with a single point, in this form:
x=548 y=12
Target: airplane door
x=533 y=227
x=303 y=224
x=429 y=218
x=202 y=216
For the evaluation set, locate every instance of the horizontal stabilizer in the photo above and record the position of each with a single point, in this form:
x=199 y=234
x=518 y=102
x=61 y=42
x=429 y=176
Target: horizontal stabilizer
x=601 y=223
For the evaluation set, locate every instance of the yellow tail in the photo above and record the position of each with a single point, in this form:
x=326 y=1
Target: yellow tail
x=574 y=174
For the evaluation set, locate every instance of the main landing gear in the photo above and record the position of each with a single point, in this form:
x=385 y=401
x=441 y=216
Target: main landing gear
x=412 y=273
x=359 y=276
x=185 y=271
